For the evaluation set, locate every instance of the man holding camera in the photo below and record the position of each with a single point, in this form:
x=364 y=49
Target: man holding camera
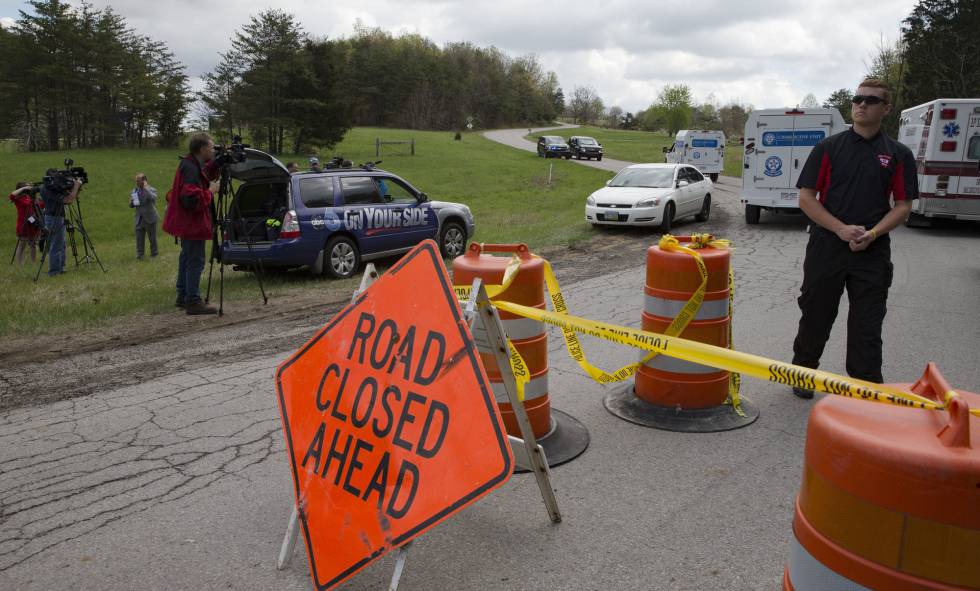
x=189 y=218
x=144 y=200
x=56 y=196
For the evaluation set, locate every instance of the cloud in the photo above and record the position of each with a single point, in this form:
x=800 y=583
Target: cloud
x=768 y=53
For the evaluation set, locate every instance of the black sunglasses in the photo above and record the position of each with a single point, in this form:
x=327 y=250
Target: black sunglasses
x=869 y=99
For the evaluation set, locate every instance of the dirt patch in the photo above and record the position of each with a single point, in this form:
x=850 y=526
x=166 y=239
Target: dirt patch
x=41 y=370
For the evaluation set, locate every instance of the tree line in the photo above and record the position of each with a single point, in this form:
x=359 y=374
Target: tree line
x=80 y=77
x=287 y=91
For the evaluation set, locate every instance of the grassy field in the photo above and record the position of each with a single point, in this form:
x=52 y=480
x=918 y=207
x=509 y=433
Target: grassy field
x=507 y=190
x=641 y=146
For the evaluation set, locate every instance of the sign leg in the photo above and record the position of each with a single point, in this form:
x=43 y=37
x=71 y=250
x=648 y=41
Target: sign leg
x=399 y=566
x=289 y=541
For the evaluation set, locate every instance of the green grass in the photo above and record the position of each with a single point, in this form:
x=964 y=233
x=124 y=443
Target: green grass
x=507 y=190
x=640 y=146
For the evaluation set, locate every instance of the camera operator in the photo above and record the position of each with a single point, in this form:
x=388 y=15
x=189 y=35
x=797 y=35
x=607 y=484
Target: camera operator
x=28 y=226
x=189 y=218
x=56 y=197
x=144 y=200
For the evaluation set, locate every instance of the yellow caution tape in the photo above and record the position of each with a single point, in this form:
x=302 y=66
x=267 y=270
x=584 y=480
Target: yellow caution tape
x=676 y=327
x=517 y=366
x=734 y=378
x=730 y=360
x=655 y=344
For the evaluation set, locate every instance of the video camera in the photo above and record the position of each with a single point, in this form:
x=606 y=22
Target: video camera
x=230 y=154
x=62 y=181
x=338 y=162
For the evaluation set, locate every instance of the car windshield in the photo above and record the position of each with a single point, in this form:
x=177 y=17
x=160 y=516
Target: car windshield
x=586 y=141
x=656 y=178
x=553 y=140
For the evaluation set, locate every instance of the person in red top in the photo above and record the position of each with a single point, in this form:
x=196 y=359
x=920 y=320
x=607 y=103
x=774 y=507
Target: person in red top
x=188 y=217
x=28 y=222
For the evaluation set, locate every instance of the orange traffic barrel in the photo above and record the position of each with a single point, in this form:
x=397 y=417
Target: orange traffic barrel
x=561 y=435
x=670 y=393
x=890 y=497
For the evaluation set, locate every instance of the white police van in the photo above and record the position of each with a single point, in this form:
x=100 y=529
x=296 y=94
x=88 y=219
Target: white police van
x=777 y=144
x=701 y=148
x=944 y=136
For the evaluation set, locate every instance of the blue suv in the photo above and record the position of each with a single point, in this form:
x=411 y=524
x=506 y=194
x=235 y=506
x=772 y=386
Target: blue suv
x=332 y=220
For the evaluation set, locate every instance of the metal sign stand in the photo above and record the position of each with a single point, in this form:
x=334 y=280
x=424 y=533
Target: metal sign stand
x=527 y=453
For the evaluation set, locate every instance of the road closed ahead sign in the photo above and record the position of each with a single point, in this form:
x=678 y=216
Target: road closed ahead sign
x=390 y=422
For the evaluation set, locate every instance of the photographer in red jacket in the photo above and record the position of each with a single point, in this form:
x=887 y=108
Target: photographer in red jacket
x=189 y=218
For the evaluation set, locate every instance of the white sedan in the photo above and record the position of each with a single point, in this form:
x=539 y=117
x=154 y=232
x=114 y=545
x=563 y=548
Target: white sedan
x=651 y=195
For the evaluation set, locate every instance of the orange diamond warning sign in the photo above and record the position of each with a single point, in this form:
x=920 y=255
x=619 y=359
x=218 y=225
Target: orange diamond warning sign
x=390 y=421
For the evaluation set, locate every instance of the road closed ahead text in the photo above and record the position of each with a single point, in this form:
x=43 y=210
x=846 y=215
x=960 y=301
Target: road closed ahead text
x=388 y=403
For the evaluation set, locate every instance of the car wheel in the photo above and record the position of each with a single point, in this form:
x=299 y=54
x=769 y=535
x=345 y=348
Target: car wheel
x=714 y=177
x=705 y=212
x=452 y=241
x=598 y=158
x=668 y=220
x=341 y=257
x=752 y=214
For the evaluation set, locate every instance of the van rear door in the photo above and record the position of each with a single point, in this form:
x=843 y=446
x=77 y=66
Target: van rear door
x=775 y=152
x=807 y=131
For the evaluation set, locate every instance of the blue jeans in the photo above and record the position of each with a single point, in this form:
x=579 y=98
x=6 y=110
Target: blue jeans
x=56 y=237
x=189 y=268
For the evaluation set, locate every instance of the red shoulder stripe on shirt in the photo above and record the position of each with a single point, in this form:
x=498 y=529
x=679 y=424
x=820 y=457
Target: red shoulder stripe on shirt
x=823 y=178
x=898 y=182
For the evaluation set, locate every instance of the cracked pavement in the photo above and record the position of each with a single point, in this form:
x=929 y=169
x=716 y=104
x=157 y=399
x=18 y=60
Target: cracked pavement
x=178 y=479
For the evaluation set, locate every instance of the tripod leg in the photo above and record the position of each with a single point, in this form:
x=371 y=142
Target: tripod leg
x=221 y=289
x=44 y=253
x=14 y=255
x=207 y=292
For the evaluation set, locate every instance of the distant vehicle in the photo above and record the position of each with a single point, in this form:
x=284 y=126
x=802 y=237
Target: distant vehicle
x=701 y=148
x=651 y=195
x=944 y=136
x=553 y=146
x=332 y=221
x=777 y=143
x=583 y=146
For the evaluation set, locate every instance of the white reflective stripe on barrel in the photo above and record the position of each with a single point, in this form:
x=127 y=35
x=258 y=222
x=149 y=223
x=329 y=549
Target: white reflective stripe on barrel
x=666 y=363
x=664 y=308
x=806 y=573
x=536 y=388
x=516 y=330
x=519 y=329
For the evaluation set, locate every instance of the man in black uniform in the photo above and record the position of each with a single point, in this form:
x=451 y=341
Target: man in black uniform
x=856 y=187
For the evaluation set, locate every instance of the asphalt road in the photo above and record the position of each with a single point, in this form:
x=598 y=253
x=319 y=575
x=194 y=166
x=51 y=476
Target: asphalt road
x=181 y=482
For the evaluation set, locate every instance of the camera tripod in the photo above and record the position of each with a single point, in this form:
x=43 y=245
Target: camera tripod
x=221 y=212
x=73 y=223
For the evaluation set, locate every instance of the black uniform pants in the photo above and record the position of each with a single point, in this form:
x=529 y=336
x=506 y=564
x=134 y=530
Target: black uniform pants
x=829 y=268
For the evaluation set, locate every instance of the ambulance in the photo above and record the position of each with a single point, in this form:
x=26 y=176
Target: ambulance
x=702 y=149
x=777 y=144
x=944 y=136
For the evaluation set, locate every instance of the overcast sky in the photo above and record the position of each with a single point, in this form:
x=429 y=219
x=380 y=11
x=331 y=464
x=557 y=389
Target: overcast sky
x=766 y=53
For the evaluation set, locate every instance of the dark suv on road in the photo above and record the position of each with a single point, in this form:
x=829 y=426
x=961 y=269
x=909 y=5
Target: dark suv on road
x=583 y=146
x=333 y=220
x=553 y=146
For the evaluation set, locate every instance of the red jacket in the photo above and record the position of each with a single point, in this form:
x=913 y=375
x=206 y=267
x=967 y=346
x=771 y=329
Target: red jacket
x=191 y=181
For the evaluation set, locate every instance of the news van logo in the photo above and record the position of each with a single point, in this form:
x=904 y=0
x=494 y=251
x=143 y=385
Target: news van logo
x=774 y=166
